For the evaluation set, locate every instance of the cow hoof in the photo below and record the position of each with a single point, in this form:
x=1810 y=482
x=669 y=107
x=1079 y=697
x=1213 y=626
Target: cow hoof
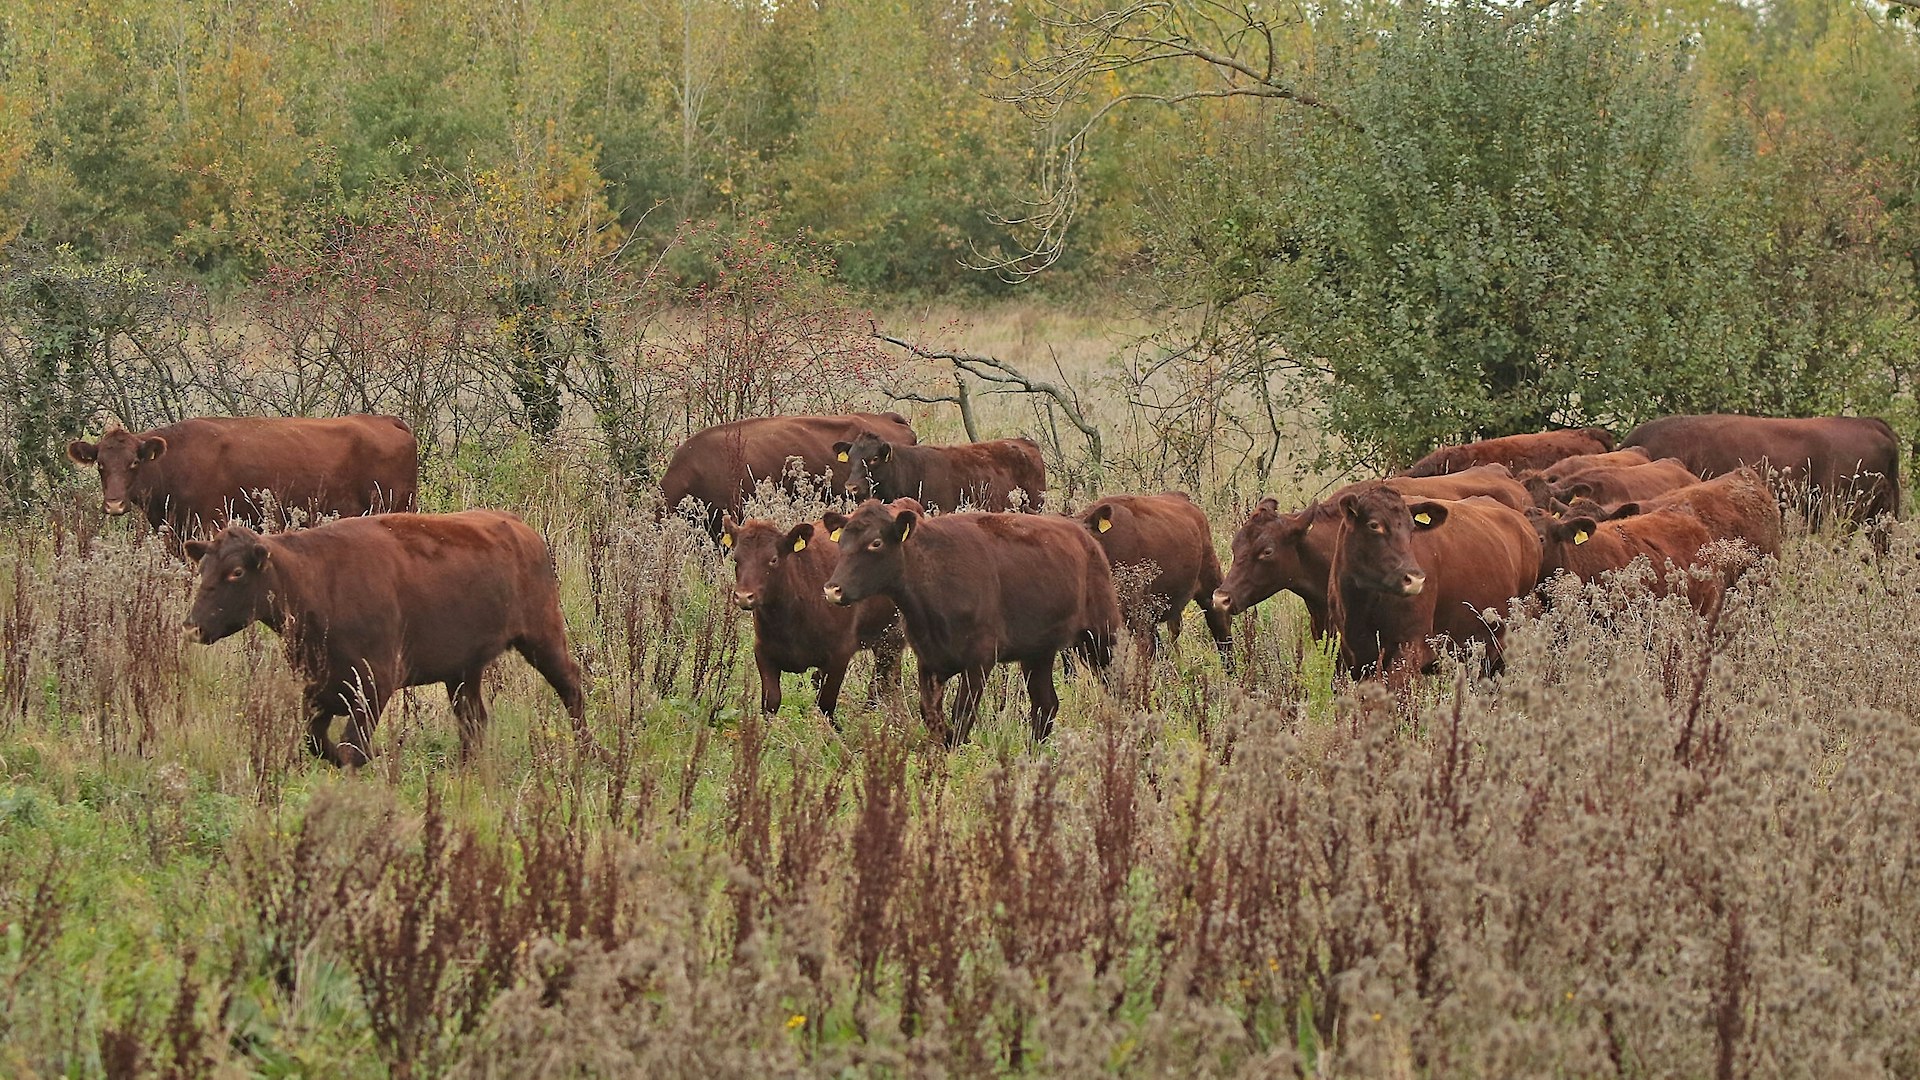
x=348 y=756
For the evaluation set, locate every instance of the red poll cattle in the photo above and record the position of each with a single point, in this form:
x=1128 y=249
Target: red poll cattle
x=1733 y=506
x=719 y=466
x=1853 y=461
x=1536 y=451
x=1667 y=539
x=779 y=575
x=366 y=606
x=976 y=590
x=1407 y=570
x=1171 y=534
x=981 y=475
x=195 y=476
x=1625 y=483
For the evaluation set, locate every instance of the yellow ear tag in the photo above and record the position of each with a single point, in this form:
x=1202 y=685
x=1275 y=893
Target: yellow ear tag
x=843 y=455
x=1580 y=537
x=726 y=539
x=834 y=536
x=1105 y=524
x=799 y=543
x=904 y=530
x=1424 y=519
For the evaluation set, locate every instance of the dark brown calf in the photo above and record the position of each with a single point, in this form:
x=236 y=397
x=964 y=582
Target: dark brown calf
x=197 y=475
x=1851 y=460
x=1407 y=570
x=366 y=606
x=719 y=466
x=1667 y=539
x=1171 y=533
x=982 y=476
x=976 y=590
x=1275 y=551
x=778 y=576
x=1733 y=506
x=1626 y=483
x=1535 y=451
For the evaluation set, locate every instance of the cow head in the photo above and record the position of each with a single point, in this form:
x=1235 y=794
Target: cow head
x=1268 y=554
x=1099 y=520
x=1539 y=487
x=872 y=542
x=869 y=461
x=1558 y=538
x=758 y=547
x=118 y=455
x=1377 y=550
x=233 y=590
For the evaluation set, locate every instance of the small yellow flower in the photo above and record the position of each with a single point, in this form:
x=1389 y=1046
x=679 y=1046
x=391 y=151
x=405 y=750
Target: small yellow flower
x=1273 y=963
x=1376 y=1018
x=1569 y=995
x=797 y=1020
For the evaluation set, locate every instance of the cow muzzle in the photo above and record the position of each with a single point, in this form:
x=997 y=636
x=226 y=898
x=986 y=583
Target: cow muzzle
x=745 y=601
x=835 y=595
x=115 y=508
x=1412 y=583
x=191 y=635
x=1222 y=602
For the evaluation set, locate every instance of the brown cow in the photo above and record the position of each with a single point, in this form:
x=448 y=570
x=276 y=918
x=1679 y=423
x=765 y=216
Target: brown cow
x=1171 y=533
x=980 y=475
x=1406 y=570
x=1536 y=451
x=1589 y=549
x=196 y=476
x=1275 y=551
x=1625 y=484
x=1540 y=482
x=778 y=576
x=1851 y=460
x=1733 y=506
x=976 y=590
x=366 y=606
x=719 y=466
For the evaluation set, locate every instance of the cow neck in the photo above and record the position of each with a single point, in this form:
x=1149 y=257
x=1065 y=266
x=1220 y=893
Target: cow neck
x=282 y=595
x=925 y=573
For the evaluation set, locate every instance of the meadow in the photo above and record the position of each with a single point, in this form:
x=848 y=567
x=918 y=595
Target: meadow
x=1655 y=846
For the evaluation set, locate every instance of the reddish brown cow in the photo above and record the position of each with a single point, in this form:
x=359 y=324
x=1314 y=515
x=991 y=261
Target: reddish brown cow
x=976 y=590
x=1171 y=533
x=778 y=576
x=369 y=605
x=1540 y=483
x=1625 y=484
x=1275 y=551
x=1536 y=451
x=980 y=475
x=195 y=476
x=1408 y=570
x=1851 y=460
x=1733 y=506
x=719 y=466
x=1667 y=539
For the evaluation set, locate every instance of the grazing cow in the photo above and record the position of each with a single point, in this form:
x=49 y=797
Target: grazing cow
x=369 y=605
x=196 y=476
x=1172 y=534
x=1540 y=483
x=1275 y=551
x=778 y=576
x=720 y=465
x=976 y=590
x=1625 y=484
x=1667 y=539
x=1851 y=460
x=980 y=475
x=1407 y=570
x=1733 y=506
x=1536 y=451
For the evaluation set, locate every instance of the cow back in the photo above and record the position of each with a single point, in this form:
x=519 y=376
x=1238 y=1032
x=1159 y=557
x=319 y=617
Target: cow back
x=1531 y=451
x=1852 y=458
x=719 y=466
x=1166 y=531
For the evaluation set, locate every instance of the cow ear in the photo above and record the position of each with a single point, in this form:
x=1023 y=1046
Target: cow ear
x=884 y=453
x=841 y=450
x=903 y=523
x=1428 y=515
x=1269 y=505
x=1600 y=435
x=152 y=448
x=834 y=522
x=1579 y=530
x=1350 y=506
x=728 y=529
x=197 y=549
x=1581 y=490
x=82 y=452
x=798 y=536
x=1624 y=510
x=1101 y=519
x=257 y=556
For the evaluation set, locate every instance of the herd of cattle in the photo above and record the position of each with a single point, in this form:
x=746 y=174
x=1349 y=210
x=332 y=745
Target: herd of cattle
x=946 y=552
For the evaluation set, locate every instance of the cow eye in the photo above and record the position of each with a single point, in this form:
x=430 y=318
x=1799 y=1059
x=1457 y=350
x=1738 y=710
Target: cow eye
x=875 y=544
x=775 y=561
x=236 y=573
x=1376 y=526
x=1265 y=553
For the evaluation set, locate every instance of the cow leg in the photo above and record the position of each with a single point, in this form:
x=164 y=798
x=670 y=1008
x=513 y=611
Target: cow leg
x=355 y=747
x=966 y=703
x=1042 y=697
x=933 y=690
x=769 y=682
x=319 y=725
x=469 y=710
x=832 y=677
